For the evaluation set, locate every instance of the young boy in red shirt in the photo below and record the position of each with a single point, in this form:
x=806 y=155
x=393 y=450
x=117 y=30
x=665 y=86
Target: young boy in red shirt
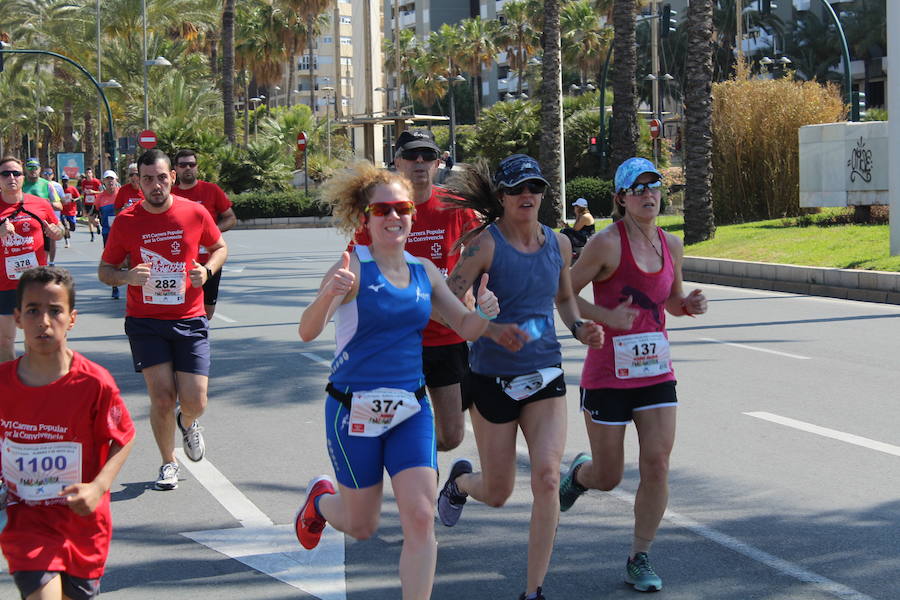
x=65 y=434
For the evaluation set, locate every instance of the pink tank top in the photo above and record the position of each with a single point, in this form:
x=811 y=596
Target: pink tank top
x=649 y=292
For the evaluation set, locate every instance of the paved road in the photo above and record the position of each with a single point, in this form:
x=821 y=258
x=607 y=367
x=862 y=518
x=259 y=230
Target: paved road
x=784 y=480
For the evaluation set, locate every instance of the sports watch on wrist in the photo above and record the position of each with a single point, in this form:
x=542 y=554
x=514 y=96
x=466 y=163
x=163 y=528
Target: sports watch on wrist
x=575 y=326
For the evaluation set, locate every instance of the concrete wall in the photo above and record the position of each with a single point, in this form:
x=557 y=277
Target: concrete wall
x=844 y=164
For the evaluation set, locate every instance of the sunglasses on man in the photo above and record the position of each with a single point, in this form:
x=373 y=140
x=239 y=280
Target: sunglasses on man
x=187 y=165
x=533 y=187
x=383 y=209
x=426 y=154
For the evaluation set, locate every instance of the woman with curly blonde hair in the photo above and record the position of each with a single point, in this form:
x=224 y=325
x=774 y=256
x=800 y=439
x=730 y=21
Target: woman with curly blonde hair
x=378 y=416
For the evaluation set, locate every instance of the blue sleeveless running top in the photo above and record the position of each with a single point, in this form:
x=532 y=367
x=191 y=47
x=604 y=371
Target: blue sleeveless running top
x=526 y=286
x=379 y=333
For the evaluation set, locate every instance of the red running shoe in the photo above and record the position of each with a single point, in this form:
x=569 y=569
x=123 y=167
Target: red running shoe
x=308 y=523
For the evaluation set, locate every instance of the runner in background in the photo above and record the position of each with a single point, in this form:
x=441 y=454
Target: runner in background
x=214 y=200
x=130 y=193
x=70 y=208
x=105 y=204
x=90 y=187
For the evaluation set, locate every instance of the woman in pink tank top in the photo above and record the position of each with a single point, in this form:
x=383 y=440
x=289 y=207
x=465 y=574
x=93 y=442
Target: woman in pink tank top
x=635 y=268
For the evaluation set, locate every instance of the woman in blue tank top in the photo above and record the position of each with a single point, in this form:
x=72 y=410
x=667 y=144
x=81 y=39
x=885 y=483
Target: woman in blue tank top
x=377 y=415
x=516 y=380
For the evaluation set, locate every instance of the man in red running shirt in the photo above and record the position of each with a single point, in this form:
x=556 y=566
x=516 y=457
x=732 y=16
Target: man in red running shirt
x=90 y=188
x=70 y=207
x=164 y=319
x=435 y=229
x=24 y=221
x=216 y=202
x=129 y=193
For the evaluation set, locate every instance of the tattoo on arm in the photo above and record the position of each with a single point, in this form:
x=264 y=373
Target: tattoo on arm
x=457 y=285
x=470 y=251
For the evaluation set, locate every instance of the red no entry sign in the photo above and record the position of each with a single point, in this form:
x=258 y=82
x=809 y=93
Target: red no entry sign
x=147 y=139
x=301 y=141
x=655 y=127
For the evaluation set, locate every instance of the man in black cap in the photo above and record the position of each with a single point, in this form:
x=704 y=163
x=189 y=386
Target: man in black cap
x=435 y=229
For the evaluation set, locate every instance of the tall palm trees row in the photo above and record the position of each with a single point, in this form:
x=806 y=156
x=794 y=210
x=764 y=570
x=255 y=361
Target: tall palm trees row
x=424 y=67
x=219 y=50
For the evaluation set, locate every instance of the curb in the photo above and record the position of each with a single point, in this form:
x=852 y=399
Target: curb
x=849 y=284
x=284 y=223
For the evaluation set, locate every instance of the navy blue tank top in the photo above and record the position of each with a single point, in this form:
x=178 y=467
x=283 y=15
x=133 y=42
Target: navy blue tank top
x=526 y=286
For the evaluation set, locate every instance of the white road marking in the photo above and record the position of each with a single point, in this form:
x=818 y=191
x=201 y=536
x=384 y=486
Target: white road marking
x=829 y=433
x=316 y=359
x=231 y=498
x=756 y=348
x=268 y=548
x=234 y=269
x=223 y=317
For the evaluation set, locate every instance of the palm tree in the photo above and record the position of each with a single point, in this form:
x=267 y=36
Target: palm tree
x=551 y=115
x=478 y=51
x=399 y=56
x=586 y=39
x=228 y=68
x=623 y=125
x=699 y=223
x=518 y=36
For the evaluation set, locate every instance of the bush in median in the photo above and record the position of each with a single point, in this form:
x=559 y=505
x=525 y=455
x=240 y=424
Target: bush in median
x=267 y=205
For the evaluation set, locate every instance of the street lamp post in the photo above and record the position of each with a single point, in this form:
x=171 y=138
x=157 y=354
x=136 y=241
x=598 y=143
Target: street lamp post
x=450 y=83
x=329 y=94
x=159 y=61
x=255 y=100
x=37 y=124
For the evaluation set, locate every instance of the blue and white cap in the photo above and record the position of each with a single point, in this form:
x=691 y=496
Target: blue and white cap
x=631 y=169
x=517 y=168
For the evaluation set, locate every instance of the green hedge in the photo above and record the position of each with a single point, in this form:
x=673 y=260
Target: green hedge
x=259 y=205
x=598 y=193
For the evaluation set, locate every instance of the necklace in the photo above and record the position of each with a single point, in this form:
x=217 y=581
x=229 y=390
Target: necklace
x=646 y=237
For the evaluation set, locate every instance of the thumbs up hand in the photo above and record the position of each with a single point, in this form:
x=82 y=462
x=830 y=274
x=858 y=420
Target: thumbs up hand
x=488 y=307
x=197 y=274
x=342 y=280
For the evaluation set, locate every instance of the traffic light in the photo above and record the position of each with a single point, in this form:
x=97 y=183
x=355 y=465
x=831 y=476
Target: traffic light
x=858 y=106
x=109 y=146
x=667 y=21
x=594 y=147
x=765 y=7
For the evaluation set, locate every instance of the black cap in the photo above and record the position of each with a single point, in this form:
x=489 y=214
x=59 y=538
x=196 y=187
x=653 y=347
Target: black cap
x=416 y=138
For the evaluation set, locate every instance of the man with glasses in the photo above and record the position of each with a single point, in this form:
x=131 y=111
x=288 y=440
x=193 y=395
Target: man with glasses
x=435 y=229
x=213 y=200
x=25 y=221
x=129 y=193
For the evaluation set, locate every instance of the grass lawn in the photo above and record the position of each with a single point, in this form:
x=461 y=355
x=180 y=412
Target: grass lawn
x=821 y=240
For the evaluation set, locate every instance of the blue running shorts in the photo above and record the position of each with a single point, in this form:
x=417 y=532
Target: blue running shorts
x=360 y=462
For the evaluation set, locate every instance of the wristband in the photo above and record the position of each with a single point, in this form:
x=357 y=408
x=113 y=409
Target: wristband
x=483 y=315
x=209 y=272
x=574 y=328
x=684 y=309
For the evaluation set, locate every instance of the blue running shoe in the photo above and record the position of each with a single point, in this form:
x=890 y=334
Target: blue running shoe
x=640 y=575
x=569 y=489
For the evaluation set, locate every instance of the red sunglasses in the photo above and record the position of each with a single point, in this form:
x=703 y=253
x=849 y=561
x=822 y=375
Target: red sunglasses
x=383 y=209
